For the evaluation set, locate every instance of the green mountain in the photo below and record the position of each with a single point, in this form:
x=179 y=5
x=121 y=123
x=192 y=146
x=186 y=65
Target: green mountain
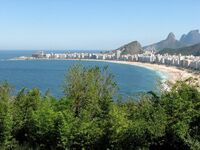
x=189 y=50
x=131 y=48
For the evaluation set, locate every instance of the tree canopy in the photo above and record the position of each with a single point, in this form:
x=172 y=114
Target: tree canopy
x=88 y=116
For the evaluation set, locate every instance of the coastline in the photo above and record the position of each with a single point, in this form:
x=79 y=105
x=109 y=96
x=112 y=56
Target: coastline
x=167 y=73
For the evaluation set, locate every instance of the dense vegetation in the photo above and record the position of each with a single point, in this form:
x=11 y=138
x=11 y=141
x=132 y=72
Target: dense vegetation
x=87 y=117
x=190 y=50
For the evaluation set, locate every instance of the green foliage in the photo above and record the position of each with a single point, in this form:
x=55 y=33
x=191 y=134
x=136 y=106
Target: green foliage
x=137 y=124
x=5 y=115
x=89 y=88
x=91 y=92
x=89 y=117
x=45 y=124
x=24 y=105
x=189 y=50
x=182 y=107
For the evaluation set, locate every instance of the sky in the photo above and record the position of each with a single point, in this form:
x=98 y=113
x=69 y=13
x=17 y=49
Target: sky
x=92 y=24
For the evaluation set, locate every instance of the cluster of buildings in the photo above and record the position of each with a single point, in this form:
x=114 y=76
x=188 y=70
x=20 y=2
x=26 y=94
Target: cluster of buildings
x=191 y=62
x=75 y=55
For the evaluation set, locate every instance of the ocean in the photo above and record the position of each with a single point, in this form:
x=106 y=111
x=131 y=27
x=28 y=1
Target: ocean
x=49 y=74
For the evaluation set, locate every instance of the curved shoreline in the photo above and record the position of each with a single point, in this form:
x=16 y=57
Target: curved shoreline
x=167 y=73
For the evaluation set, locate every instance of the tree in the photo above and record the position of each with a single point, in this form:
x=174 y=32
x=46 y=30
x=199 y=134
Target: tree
x=91 y=91
x=46 y=125
x=5 y=114
x=137 y=124
x=91 y=88
x=24 y=105
x=181 y=105
x=88 y=117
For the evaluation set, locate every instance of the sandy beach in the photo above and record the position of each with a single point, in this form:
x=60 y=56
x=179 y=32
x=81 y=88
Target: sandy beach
x=170 y=73
x=167 y=73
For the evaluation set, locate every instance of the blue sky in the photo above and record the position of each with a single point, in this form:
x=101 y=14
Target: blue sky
x=92 y=24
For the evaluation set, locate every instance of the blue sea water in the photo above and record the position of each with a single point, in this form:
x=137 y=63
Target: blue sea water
x=49 y=74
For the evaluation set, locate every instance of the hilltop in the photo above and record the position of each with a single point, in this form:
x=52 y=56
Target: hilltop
x=131 y=48
x=188 y=44
x=169 y=42
x=193 y=37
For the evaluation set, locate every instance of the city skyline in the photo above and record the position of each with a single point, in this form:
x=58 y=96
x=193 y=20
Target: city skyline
x=92 y=25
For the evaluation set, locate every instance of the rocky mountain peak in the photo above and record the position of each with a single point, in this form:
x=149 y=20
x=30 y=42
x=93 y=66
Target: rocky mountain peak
x=194 y=32
x=193 y=37
x=169 y=42
x=183 y=36
x=171 y=36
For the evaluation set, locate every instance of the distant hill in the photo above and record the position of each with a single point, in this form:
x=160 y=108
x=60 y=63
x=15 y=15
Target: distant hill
x=169 y=42
x=189 y=50
x=186 y=43
x=193 y=37
x=131 y=48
